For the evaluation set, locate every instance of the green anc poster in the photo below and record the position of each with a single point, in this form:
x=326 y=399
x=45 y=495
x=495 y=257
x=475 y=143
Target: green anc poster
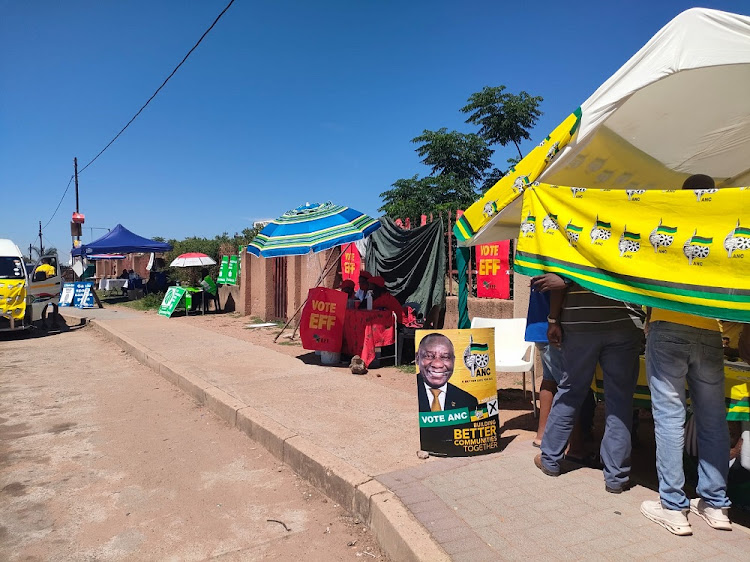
x=223 y=270
x=171 y=300
x=457 y=392
x=228 y=271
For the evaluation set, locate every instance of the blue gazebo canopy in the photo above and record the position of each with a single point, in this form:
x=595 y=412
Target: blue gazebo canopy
x=121 y=240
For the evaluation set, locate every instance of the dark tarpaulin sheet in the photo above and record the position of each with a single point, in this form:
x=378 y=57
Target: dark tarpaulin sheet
x=412 y=262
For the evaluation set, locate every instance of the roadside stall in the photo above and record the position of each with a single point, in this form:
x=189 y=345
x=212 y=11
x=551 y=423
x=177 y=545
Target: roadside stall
x=119 y=240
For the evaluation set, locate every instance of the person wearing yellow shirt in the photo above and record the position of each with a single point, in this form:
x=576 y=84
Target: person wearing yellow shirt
x=684 y=348
x=46 y=268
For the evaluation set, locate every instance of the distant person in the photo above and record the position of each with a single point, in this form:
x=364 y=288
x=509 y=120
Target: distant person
x=364 y=294
x=211 y=291
x=347 y=287
x=436 y=359
x=45 y=268
x=383 y=300
x=124 y=274
x=364 y=285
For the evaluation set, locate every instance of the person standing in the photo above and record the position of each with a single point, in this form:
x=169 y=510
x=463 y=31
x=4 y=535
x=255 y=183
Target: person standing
x=682 y=348
x=593 y=329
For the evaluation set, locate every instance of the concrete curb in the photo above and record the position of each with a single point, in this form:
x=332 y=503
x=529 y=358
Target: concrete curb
x=397 y=531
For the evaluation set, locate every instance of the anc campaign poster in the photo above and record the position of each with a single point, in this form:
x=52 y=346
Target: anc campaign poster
x=171 y=300
x=493 y=269
x=351 y=264
x=322 y=324
x=457 y=392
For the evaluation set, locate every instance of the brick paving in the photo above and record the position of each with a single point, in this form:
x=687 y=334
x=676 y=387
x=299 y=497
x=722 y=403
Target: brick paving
x=501 y=507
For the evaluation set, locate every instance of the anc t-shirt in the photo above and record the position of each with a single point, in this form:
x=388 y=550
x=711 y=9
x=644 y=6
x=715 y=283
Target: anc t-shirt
x=663 y=315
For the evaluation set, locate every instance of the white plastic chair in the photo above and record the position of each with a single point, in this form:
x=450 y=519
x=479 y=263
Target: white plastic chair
x=513 y=354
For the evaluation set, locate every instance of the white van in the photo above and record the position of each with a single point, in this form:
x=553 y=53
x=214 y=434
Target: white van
x=24 y=297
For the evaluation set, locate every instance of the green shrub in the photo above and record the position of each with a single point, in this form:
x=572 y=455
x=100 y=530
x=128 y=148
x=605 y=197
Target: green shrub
x=152 y=301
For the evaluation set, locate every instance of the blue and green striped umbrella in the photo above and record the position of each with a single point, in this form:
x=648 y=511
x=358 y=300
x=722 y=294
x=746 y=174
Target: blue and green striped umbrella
x=312 y=228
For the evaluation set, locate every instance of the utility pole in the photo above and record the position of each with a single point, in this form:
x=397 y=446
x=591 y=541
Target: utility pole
x=41 y=244
x=30 y=258
x=78 y=238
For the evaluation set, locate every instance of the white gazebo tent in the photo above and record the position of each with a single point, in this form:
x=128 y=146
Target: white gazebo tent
x=679 y=106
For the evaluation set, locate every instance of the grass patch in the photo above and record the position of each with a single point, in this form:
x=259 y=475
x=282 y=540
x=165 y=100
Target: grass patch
x=289 y=343
x=406 y=368
x=151 y=301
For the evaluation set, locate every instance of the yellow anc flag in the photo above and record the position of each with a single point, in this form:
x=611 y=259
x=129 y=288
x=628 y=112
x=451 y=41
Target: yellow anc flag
x=683 y=250
x=516 y=180
x=12 y=298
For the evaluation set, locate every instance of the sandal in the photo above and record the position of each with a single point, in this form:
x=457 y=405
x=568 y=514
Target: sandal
x=537 y=444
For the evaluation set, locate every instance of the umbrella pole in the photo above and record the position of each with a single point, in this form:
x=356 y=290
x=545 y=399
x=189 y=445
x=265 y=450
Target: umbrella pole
x=333 y=263
x=323 y=273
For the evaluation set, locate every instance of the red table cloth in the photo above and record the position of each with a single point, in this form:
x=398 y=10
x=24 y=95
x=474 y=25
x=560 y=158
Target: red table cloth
x=364 y=330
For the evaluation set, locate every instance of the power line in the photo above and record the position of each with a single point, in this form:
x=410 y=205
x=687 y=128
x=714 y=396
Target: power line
x=144 y=105
x=60 y=203
x=160 y=87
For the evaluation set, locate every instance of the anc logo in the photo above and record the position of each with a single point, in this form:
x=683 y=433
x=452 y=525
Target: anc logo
x=629 y=242
x=600 y=231
x=572 y=232
x=550 y=223
x=662 y=236
x=552 y=152
x=697 y=247
x=633 y=192
x=490 y=208
x=578 y=192
x=476 y=356
x=737 y=240
x=528 y=227
x=699 y=193
x=520 y=184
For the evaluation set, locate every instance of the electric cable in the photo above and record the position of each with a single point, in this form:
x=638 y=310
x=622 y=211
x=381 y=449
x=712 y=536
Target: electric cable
x=142 y=107
x=160 y=87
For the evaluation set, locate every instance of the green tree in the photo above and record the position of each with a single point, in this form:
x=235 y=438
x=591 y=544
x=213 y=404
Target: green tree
x=502 y=117
x=413 y=197
x=465 y=156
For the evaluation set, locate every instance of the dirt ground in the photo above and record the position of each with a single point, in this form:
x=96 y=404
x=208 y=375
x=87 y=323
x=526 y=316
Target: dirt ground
x=101 y=459
x=516 y=415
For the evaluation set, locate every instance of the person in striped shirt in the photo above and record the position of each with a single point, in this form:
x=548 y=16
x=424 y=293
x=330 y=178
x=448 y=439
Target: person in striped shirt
x=592 y=329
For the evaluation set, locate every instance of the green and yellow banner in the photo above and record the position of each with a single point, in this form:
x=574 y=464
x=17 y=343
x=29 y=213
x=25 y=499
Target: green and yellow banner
x=683 y=250
x=518 y=178
x=13 y=298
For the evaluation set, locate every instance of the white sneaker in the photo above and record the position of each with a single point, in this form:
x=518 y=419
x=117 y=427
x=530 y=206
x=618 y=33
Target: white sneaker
x=673 y=520
x=716 y=517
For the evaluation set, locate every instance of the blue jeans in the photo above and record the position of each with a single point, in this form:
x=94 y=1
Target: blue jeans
x=552 y=362
x=617 y=353
x=677 y=354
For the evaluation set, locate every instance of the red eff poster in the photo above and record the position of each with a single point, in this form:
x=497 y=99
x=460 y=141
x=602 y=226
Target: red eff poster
x=322 y=324
x=493 y=281
x=351 y=264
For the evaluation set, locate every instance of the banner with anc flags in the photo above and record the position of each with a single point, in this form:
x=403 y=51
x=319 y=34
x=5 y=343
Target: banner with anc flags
x=683 y=250
x=518 y=177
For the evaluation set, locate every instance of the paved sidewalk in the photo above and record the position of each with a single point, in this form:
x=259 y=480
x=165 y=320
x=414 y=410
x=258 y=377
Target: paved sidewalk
x=357 y=441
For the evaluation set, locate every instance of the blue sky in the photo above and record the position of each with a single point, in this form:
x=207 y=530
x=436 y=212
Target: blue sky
x=283 y=103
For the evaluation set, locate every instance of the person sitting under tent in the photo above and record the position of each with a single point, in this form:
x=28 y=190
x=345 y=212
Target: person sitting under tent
x=364 y=288
x=347 y=286
x=210 y=291
x=383 y=300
